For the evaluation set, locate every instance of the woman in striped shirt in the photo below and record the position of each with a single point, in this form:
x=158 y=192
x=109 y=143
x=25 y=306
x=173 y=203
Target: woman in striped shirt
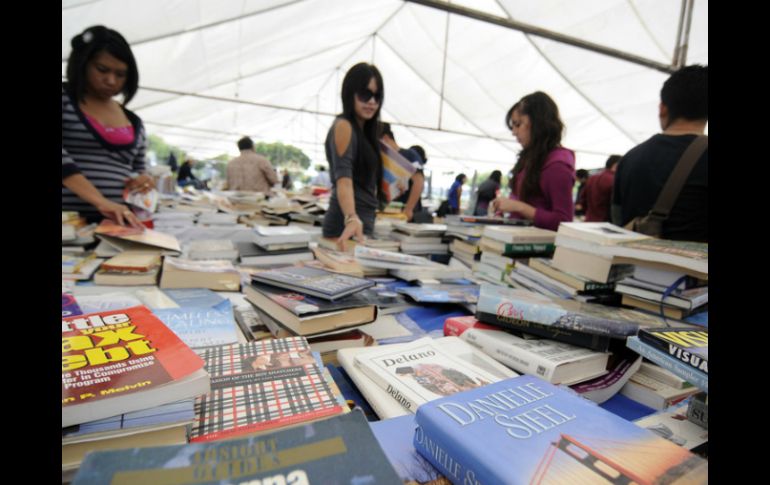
x=103 y=143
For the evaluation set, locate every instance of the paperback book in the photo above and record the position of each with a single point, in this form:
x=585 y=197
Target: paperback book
x=124 y=360
x=674 y=364
x=524 y=430
x=261 y=386
x=313 y=281
x=689 y=345
x=201 y=326
x=442 y=293
x=338 y=450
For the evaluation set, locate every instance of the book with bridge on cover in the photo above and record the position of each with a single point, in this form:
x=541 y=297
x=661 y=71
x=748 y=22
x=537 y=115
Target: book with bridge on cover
x=119 y=361
x=524 y=430
x=261 y=386
x=338 y=450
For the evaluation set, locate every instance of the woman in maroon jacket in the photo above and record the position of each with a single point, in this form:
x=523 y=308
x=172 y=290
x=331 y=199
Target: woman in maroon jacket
x=543 y=177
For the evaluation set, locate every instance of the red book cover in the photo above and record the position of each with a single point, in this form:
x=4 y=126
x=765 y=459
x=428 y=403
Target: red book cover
x=110 y=358
x=455 y=326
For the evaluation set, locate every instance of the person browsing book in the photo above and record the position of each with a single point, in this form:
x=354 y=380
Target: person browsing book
x=353 y=153
x=103 y=143
x=487 y=192
x=543 y=177
x=455 y=193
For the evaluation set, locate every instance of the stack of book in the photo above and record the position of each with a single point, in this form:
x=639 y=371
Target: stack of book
x=79 y=265
x=502 y=246
x=578 y=287
x=130 y=268
x=420 y=238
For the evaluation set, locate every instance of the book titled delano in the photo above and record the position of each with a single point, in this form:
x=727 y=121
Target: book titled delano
x=337 y=450
x=524 y=430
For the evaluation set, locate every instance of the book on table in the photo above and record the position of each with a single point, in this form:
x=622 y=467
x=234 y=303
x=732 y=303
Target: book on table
x=603 y=233
x=306 y=315
x=689 y=345
x=685 y=299
x=133 y=262
x=212 y=249
x=555 y=362
x=420 y=230
x=201 y=326
x=340 y=449
x=442 y=293
x=662 y=375
x=395 y=436
x=266 y=236
x=260 y=386
x=69 y=306
x=575 y=281
x=185 y=273
x=166 y=424
x=253 y=255
x=420 y=371
x=524 y=430
x=510 y=221
x=125 y=238
x=655 y=307
x=595 y=267
x=655 y=394
x=338 y=261
x=681 y=367
x=124 y=360
x=519 y=234
x=313 y=281
x=673 y=425
x=383 y=402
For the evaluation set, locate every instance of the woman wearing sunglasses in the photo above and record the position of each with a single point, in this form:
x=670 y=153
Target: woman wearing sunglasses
x=543 y=177
x=353 y=153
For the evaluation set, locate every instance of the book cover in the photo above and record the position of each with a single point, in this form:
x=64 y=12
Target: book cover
x=305 y=305
x=512 y=304
x=69 y=307
x=578 y=282
x=420 y=371
x=280 y=235
x=396 y=172
x=684 y=370
x=442 y=293
x=395 y=436
x=673 y=425
x=622 y=365
x=313 y=281
x=251 y=254
x=124 y=360
x=194 y=297
x=147 y=237
x=519 y=234
x=599 y=232
x=683 y=254
x=337 y=451
x=260 y=386
x=525 y=430
x=201 y=326
x=133 y=262
x=689 y=345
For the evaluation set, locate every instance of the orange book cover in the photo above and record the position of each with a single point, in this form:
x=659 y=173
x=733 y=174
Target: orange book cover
x=109 y=357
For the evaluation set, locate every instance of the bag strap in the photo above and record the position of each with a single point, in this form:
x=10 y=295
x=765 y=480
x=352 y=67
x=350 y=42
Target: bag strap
x=678 y=177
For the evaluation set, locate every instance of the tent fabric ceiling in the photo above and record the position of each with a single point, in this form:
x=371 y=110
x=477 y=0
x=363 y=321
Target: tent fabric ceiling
x=214 y=70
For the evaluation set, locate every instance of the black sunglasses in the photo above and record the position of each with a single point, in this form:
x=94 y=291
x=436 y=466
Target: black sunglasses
x=364 y=95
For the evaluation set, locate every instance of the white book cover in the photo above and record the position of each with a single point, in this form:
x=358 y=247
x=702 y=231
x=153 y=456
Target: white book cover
x=280 y=235
x=383 y=403
x=379 y=258
x=420 y=371
x=519 y=234
x=555 y=362
x=599 y=232
x=423 y=229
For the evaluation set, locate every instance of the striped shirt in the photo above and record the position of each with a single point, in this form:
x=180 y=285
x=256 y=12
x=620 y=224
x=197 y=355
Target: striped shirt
x=105 y=165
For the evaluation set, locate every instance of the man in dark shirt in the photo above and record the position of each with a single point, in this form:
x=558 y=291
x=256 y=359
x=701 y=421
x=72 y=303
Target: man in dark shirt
x=644 y=170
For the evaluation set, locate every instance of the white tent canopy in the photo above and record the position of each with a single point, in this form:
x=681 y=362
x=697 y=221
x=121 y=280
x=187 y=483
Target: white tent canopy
x=212 y=71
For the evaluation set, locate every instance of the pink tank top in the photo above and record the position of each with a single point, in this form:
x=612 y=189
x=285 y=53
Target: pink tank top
x=121 y=135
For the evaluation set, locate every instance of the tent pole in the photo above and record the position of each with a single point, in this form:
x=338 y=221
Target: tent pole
x=548 y=34
x=443 y=73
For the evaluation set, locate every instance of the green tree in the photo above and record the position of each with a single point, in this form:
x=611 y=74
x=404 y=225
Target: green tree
x=162 y=150
x=281 y=155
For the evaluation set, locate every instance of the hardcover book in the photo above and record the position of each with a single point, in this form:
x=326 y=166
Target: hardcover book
x=442 y=293
x=599 y=232
x=133 y=262
x=271 y=235
x=519 y=305
x=124 y=360
x=689 y=345
x=519 y=234
x=336 y=451
x=253 y=255
x=305 y=315
x=395 y=436
x=260 y=386
x=420 y=371
x=524 y=430
x=578 y=282
x=186 y=273
x=313 y=281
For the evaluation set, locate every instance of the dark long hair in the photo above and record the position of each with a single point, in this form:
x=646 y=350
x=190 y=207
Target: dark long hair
x=545 y=134
x=357 y=79
x=89 y=43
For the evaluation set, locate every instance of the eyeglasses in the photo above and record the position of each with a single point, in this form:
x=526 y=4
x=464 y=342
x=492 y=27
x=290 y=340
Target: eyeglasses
x=364 y=95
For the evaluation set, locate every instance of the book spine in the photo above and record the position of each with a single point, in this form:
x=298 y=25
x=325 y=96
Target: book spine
x=405 y=398
x=580 y=339
x=509 y=355
x=527 y=248
x=548 y=314
x=685 y=371
x=458 y=466
x=674 y=351
x=698 y=410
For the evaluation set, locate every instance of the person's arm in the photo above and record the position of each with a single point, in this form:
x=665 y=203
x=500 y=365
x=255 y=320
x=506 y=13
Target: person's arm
x=269 y=171
x=142 y=182
x=343 y=181
x=84 y=189
x=418 y=182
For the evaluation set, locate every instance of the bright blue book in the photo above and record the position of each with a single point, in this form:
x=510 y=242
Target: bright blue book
x=524 y=430
x=201 y=326
x=685 y=371
x=335 y=451
x=158 y=416
x=395 y=436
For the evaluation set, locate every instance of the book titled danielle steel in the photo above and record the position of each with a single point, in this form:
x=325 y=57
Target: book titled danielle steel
x=524 y=431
